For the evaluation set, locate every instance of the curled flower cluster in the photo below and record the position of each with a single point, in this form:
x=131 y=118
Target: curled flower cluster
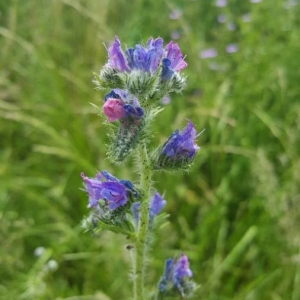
x=148 y=71
x=115 y=204
x=147 y=59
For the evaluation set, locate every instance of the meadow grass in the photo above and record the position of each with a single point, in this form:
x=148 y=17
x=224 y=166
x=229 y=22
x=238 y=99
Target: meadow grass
x=235 y=214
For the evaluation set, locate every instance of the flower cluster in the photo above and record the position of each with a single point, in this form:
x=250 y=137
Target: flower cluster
x=115 y=205
x=138 y=78
x=147 y=59
x=176 y=277
x=149 y=72
x=179 y=150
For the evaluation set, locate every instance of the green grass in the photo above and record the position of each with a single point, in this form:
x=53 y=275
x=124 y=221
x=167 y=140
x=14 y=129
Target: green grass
x=235 y=214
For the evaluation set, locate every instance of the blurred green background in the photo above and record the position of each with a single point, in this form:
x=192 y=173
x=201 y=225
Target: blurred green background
x=235 y=214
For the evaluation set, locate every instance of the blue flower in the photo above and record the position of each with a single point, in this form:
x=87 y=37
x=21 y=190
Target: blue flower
x=173 y=61
x=114 y=193
x=135 y=212
x=181 y=270
x=109 y=188
x=181 y=144
x=156 y=205
x=93 y=186
x=116 y=58
x=147 y=58
x=134 y=112
x=176 y=277
x=166 y=72
x=179 y=150
x=167 y=275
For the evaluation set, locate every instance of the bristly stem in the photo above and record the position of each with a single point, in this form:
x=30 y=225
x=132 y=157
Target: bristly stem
x=142 y=232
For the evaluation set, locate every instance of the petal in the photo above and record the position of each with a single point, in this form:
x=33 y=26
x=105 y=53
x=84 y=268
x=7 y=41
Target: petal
x=108 y=176
x=181 y=268
x=175 y=56
x=166 y=72
x=113 y=109
x=139 y=57
x=112 y=94
x=156 y=204
x=116 y=56
x=135 y=211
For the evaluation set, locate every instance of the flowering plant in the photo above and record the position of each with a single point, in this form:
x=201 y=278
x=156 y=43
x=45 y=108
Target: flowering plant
x=137 y=79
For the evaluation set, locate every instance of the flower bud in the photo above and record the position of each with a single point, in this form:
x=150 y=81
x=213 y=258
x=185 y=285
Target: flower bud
x=114 y=109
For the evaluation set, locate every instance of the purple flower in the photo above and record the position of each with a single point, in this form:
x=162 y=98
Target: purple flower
x=107 y=187
x=181 y=144
x=114 y=193
x=135 y=211
x=231 y=48
x=167 y=72
x=208 y=53
x=167 y=274
x=145 y=59
x=93 y=186
x=156 y=205
x=174 y=55
x=119 y=105
x=134 y=112
x=172 y=62
x=107 y=176
x=116 y=58
x=176 y=273
x=179 y=150
x=181 y=270
x=221 y=3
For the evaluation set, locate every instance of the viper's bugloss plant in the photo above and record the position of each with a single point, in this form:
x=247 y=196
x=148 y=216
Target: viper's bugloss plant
x=136 y=80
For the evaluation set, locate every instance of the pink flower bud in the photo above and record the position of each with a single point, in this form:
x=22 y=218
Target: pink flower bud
x=113 y=109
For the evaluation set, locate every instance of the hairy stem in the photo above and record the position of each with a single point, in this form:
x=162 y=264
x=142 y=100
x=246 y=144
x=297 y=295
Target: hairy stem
x=142 y=232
